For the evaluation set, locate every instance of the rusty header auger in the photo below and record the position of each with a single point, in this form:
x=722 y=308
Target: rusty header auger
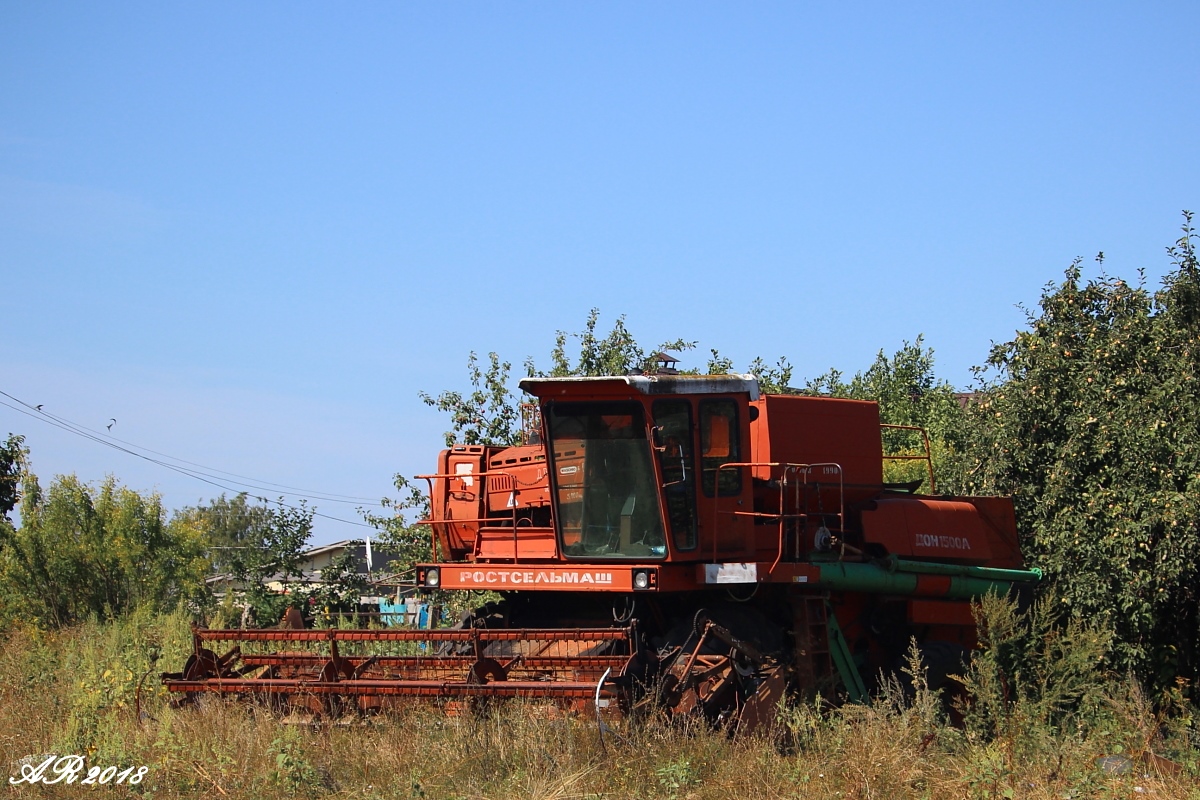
x=320 y=670
x=710 y=548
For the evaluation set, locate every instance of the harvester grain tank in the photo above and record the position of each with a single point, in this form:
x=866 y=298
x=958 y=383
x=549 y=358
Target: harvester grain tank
x=675 y=539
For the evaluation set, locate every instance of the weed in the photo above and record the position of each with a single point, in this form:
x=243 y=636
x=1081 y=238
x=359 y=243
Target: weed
x=293 y=771
x=677 y=776
x=1039 y=726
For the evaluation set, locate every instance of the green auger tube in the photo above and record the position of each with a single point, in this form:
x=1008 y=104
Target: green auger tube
x=895 y=576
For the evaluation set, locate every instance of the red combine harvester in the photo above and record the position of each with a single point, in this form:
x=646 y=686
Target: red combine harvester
x=661 y=538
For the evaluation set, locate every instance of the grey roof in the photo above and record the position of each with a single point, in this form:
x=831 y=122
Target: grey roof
x=656 y=384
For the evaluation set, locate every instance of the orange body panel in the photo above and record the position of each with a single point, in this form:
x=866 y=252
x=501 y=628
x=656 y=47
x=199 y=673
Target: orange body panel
x=1000 y=520
x=822 y=430
x=940 y=612
x=937 y=530
x=531 y=544
x=456 y=501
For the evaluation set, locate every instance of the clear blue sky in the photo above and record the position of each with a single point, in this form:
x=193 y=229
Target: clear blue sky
x=252 y=232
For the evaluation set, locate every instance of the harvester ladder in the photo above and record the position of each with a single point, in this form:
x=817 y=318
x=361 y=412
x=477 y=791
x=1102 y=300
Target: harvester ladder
x=814 y=664
x=823 y=657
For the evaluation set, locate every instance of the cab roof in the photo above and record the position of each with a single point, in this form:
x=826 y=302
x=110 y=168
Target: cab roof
x=647 y=384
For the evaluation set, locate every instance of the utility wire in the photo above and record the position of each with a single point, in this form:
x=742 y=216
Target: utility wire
x=256 y=483
x=79 y=430
x=68 y=426
x=310 y=493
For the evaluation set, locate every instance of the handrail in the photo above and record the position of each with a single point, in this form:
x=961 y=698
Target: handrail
x=927 y=458
x=783 y=516
x=807 y=469
x=482 y=477
x=717 y=494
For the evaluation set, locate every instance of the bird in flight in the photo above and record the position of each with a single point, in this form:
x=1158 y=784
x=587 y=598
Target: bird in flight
x=111 y=422
x=39 y=407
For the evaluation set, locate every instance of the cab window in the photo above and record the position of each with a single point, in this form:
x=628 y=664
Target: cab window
x=719 y=444
x=607 y=495
x=673 y=435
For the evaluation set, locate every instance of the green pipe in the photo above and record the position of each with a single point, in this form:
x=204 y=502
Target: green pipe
x=855 y=577
x=894 y=564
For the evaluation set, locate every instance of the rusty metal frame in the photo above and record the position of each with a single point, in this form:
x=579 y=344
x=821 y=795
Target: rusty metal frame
x=465 y=672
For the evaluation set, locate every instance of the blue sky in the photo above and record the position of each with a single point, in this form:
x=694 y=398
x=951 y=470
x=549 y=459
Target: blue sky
x=251 y=233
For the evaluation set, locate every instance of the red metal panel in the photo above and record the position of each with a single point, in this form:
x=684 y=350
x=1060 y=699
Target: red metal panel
x=462 y=495
x=408 y=635
x=517 y=479
x=412 y=688
x=933 y=585
x=999 y=521
x=819 y=430
x=460 y=663
x=941 y=530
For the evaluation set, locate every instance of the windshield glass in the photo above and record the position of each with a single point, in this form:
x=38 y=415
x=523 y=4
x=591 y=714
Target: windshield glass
x=607 y=493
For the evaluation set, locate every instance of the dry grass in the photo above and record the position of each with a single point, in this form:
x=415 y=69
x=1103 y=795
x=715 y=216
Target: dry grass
x=74 y=691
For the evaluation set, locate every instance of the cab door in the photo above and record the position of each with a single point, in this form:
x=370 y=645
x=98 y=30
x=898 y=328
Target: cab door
x=674 y=441
x=725 y=497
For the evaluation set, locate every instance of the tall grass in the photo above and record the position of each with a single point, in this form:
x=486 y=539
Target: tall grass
x=1044 y=721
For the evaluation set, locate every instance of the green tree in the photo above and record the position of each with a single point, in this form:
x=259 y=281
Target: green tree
x=269 y=565
x=771 y=379
x=405 y=537
x=340 y=588
x=12 y=465
x=489 y=413
x=1091 y=420
x=226 y=525
x=616 y=353
x=909 y=393
x=402 y=534
x=264 y=549
x=83 y=551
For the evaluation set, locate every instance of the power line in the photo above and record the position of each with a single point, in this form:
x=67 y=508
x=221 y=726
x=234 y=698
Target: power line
x=62 y=423
x=68 y=426
x=254 y=483
x=311 y=493
x=106 y=439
